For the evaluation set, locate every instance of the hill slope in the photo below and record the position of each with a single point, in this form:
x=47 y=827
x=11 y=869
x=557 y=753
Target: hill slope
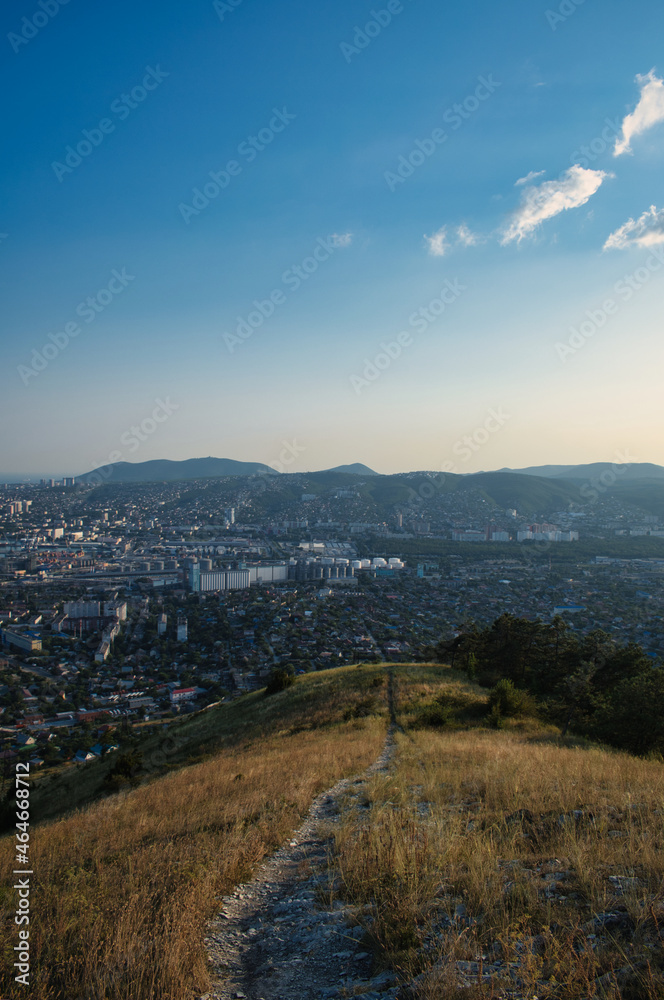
x=126 y=886
x=357 y=469
x=492 y=853
x=163 y=470
x=584 y=473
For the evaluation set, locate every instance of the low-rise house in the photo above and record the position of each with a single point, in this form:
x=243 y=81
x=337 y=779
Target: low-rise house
x=183 y=694
x=25 y=740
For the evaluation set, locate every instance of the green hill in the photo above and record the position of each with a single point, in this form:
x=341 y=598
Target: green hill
x=528 y=494
x=163 y=470
x=357 y=469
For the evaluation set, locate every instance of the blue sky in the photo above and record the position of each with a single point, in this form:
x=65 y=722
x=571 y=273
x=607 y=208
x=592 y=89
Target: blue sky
x=163 y=97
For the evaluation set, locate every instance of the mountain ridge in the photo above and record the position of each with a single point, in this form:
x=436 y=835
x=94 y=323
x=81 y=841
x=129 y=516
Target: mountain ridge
x=625 y=471
x=167 y=470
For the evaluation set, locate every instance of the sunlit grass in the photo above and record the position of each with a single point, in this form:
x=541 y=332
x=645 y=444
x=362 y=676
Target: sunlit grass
x=123 y=890
x=500 y=849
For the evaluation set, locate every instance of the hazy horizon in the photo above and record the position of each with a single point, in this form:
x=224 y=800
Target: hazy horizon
x=27 y=479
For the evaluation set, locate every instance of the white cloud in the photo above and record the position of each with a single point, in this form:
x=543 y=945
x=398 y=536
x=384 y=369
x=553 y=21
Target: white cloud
x=572 y=189
x=529 y=177
x=646 y=231
x=438 y=243
x=467 y=238
x=339 y=240
x=648 y=112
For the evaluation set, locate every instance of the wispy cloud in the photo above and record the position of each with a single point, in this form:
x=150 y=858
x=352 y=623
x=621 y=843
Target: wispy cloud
x=646 y=231
x=533 y=175
x=648 y=112
x=572 y=189
x=438 y=243
x=467 y=238
x=340 y=240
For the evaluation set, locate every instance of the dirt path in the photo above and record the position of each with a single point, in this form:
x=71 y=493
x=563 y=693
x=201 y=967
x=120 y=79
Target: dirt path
x=275 y=940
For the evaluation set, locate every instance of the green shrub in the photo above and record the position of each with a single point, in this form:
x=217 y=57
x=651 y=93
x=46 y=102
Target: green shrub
x=364 y=708
x=279 y=681
x=507 y=700
x=124 y=772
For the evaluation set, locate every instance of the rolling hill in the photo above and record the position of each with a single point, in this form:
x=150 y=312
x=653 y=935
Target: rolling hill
x=584 y=473
x=539 y=490
x=357 y=469
x=163 y=470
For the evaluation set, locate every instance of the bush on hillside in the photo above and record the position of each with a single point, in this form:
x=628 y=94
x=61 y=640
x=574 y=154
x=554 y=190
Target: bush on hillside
x=364 y=708
x=279 y=681
x=507 y=700
x=124 y=772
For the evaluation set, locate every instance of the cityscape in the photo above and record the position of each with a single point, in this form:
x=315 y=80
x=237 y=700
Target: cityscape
x=127 y=605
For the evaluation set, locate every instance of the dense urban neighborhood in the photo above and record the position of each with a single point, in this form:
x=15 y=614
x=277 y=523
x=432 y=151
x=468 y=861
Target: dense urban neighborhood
x=123 y=606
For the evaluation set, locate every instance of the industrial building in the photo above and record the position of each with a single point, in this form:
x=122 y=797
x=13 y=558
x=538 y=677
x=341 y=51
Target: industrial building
x=30 y=642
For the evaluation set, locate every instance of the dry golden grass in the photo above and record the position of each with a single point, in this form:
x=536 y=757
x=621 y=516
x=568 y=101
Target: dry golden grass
x=123 y=890
x=464 y=858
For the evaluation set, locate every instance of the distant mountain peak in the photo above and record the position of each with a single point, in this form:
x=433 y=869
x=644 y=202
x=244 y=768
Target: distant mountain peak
x=357 y=469
x=165 y=470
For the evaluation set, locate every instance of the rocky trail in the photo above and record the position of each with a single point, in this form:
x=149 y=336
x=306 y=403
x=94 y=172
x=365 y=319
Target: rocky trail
x=276 y=939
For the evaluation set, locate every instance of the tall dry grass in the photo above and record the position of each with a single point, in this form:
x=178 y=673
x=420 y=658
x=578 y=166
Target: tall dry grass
x=123 y=890
x=499 y=850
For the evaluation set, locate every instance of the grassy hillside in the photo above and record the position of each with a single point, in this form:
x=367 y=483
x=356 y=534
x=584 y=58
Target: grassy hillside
x=494 y=857
x=506 y=862
x=644 y=494
x=126 y=886
x=527 y=493
x=197 y=738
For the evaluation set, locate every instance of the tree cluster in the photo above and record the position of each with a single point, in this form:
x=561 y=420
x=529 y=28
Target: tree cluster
x=599 y=688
